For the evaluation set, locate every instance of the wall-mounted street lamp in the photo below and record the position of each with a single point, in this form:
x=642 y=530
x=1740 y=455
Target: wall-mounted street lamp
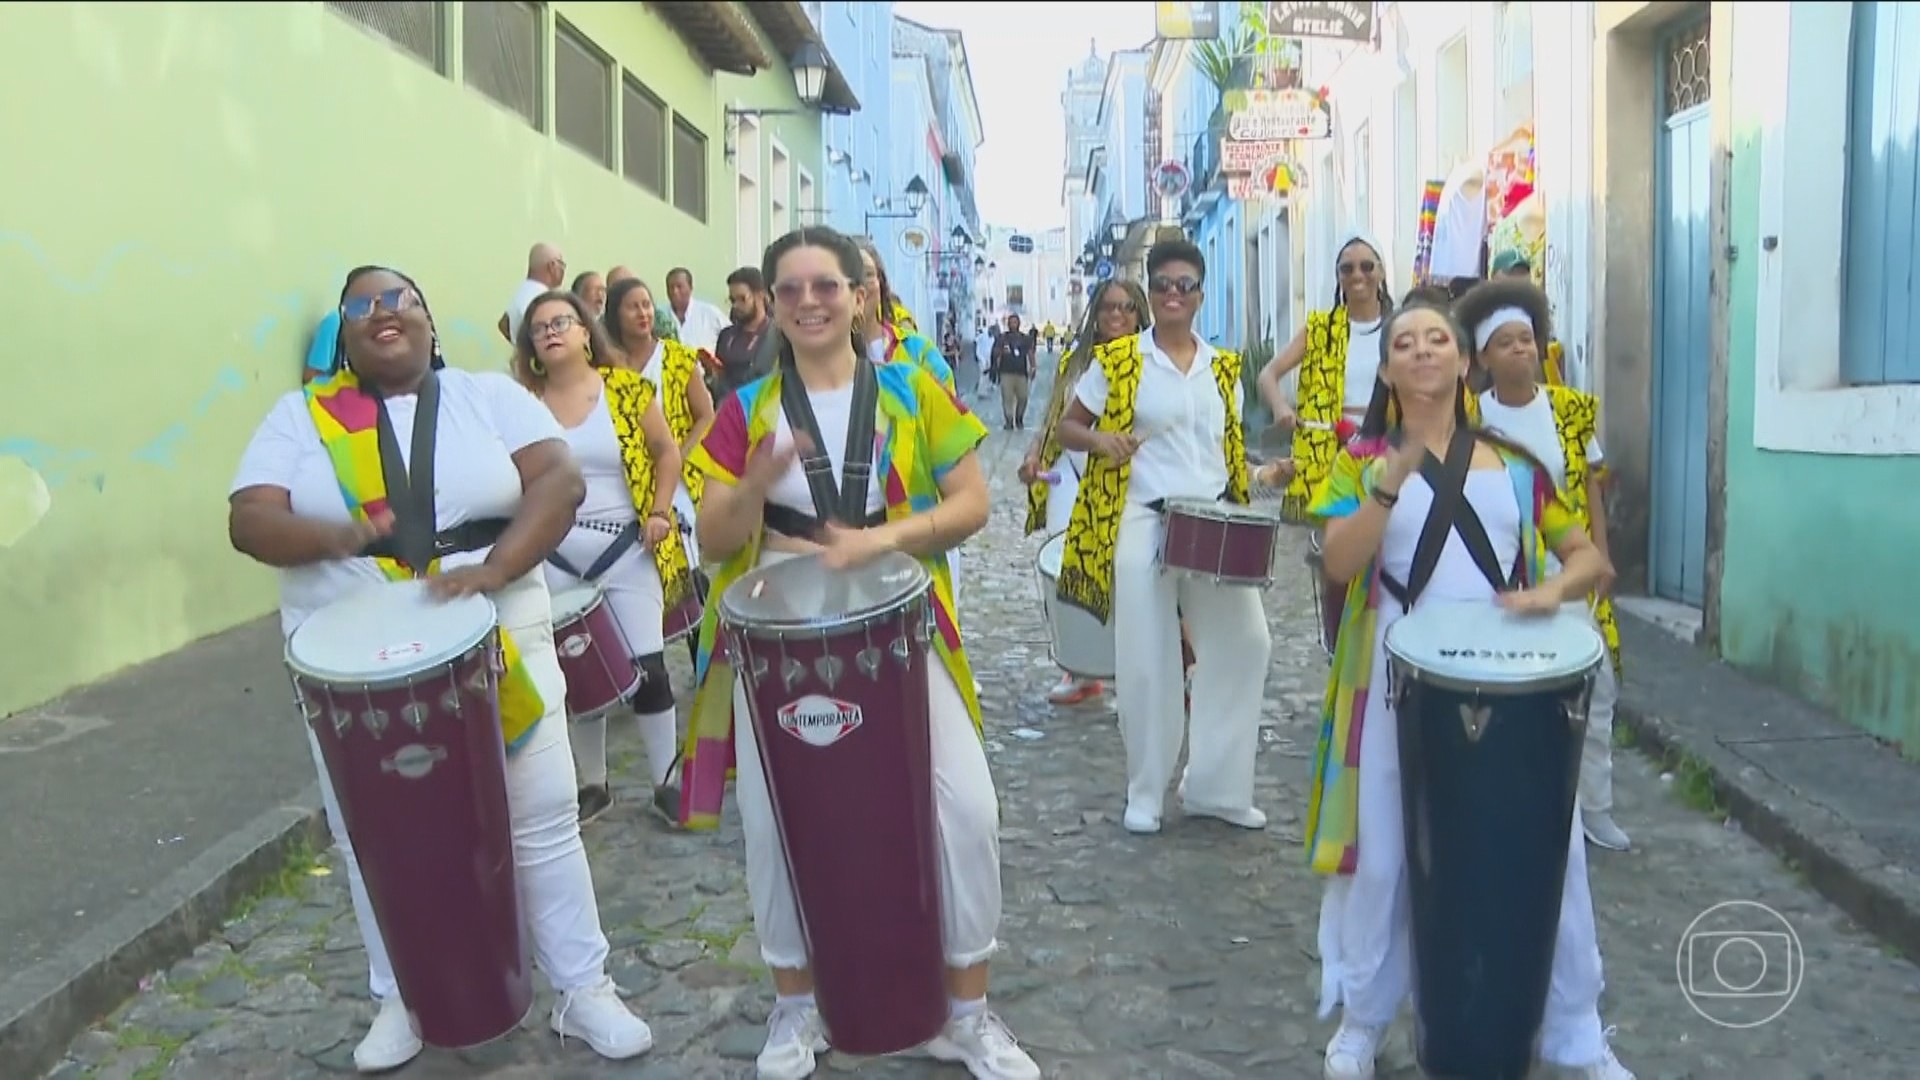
x=1117 y=232
x=916 y=202
x=809 y=65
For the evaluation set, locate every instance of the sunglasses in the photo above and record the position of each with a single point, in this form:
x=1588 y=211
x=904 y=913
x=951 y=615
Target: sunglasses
x=793 y=291
x=361 y=308
x=1364 y=266
x=1185 y=286
x=556 y=326
x=1119 y=307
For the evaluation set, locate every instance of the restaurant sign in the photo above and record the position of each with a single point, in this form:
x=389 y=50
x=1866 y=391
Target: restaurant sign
x=1339 y=22
x=1266 y=115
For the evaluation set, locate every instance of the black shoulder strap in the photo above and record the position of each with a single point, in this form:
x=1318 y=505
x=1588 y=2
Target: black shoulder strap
x=1452 y=512
x=846 y=504
x=409 y=480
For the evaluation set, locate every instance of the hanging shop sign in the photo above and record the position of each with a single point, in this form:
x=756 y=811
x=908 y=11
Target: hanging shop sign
x=1265 y=115
x=913 y=240
x=1336 y=22
x=1171 y=179
x=1187 y=22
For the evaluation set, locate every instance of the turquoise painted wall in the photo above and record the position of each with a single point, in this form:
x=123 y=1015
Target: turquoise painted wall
x=1818 y=591
x=185 y=185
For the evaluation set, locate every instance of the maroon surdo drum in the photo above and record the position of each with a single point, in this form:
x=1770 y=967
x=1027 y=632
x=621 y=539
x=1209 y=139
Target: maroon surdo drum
x=1329 y=598
x=402 y=692
x=835 y=665
x=594 y=657
x=1220 y=541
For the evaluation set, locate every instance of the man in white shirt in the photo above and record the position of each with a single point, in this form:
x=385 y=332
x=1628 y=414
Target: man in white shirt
x=546 y=269
x=1176 y=447
x=700 y=322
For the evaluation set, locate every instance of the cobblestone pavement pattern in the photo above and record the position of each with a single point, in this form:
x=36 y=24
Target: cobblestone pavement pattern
x=1184 y=955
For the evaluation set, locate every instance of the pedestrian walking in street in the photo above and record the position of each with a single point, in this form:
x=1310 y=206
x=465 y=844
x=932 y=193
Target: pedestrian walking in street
x=1014 y=366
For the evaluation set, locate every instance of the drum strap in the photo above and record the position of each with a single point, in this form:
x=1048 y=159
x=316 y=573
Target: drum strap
x=1450 y=512
x=846 y=505
x=628 y=536
x=409 y=480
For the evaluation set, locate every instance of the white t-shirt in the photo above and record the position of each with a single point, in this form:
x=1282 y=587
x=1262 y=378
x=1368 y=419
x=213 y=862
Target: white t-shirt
x=1183 y=418
x=596 y=449
x=484 y=420
x=700 y=327
x=523 y=297
x=1531 y=425
x=1363 y=364
x=832 y=411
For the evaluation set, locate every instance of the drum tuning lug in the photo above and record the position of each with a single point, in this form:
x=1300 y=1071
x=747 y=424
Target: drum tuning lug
x=480 y=682
x=829 y=669
x=868 y=660
x=1474 y=717
x=375 y=721
x=757 y=670
x=792 y=671
x=902 y=651
x=451 y=700
x=416 y=714
x=342 y=720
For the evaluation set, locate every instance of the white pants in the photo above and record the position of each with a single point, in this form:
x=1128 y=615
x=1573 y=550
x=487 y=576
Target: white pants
x=969 y=831
x=556 y=886
x=1231 y=647
x=633 y=593
x=683 y=506
x=1596 y=754
x=953 y=572
x=1366 y=920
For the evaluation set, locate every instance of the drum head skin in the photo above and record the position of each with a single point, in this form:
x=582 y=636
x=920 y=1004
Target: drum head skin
x=800 y=593
x=1480 y=646
x=570 y=603
x=387 y=632
x=1217 y=510
x=1052 y=554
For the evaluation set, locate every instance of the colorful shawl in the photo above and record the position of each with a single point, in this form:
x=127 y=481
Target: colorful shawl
x=678 y=365
x=1086 y=567
x=900 y=317
x=628 y=397
x=1072 y=364
x=912 y=347
x=1576 y=416
x=922 y=432
x=1322 y=394
x=1423 y=233
x=347 y=418
x=1333 y=809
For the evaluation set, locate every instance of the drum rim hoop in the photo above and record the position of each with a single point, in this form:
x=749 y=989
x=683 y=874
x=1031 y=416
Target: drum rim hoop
x=1227 y=512
x=784 y=629
x=413 y=677
x=1537 y=683
x=599 y=600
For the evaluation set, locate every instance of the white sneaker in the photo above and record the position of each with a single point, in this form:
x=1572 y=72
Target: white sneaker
x=1350 y=1055
x=1602 y=832
x=390 y=1042
x=1608 y=1068
x=1245 y=817
x=982 y=1043
x=1140 y=821
x=597 y=1017
x=794 y=1039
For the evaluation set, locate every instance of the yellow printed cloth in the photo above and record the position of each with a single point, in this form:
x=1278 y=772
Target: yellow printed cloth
x=1576 y=417
x=628 y=398
x=1072 y=363
x=1086 y=567
x=1322 y=394
x=348 y=420
x=678 y=366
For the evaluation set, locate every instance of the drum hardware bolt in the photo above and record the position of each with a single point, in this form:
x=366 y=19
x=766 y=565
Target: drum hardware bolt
x=376 y=721
x=1578 y=707
x=902 y=651
x=416 y=714
x=829 y=668
x=342 y=720
x=480 y=682
x=868 y=660
x=792 y=671
x=1475 y=716
x=451 y=700
x=757 y=670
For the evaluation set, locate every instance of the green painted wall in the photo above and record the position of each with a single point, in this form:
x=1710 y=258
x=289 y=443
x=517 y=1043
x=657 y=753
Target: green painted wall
x=799 y=133
x=1818 y=591
x=175 y=216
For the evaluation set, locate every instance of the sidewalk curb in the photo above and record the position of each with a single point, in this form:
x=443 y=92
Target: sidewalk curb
x=46 y=1007
x=1841 y=865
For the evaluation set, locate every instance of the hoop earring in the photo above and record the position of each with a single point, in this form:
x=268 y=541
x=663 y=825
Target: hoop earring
x=589 y=352
x=535 y=365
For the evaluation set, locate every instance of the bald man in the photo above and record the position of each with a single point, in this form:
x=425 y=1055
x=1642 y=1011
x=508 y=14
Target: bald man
x=619 y=274
x=546 y=269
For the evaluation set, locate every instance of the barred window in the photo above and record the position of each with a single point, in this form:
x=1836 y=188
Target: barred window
x=582 y=94
x=501 y=55
x=643 y=137
x=415 y=26
x=689 y=169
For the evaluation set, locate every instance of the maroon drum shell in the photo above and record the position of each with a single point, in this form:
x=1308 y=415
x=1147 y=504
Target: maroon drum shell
x=596 y=660
x=857 y=822
x=683 y=619
x=1232 y=550
x=1330 y=596
x=426 y=810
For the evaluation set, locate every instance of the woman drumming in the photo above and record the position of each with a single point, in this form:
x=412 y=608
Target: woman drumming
x=679 y=380
x=624 y=534
x=1375 y=504
x=1336 y=352
x=1117 y=309
x=497 y=455
x=759 y=508
x=1559 y=425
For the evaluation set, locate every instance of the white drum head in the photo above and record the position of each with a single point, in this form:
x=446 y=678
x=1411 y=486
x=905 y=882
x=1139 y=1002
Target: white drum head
x=387 y=632
x=572 y=602
x=1053 y=554
x=1479 y=645
x=800 y=593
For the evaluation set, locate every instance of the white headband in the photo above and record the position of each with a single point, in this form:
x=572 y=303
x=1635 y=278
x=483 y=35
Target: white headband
x=1492 y=323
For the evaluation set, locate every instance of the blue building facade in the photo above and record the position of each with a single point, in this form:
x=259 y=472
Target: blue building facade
x=857 y=147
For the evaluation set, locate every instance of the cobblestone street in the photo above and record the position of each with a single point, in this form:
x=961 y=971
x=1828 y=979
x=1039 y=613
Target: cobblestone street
x=1187 y=954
